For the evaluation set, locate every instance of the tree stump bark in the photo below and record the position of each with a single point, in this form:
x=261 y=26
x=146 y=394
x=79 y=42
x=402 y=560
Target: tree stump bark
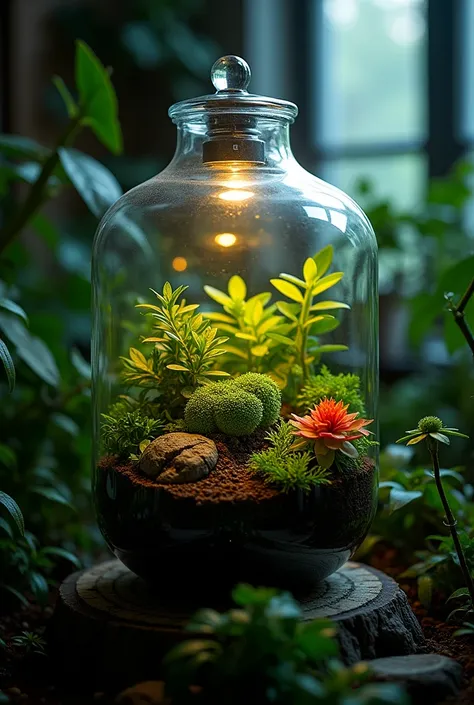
x=109 y=630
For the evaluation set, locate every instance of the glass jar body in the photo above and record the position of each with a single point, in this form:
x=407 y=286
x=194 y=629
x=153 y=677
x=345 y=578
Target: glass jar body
x=227 y=232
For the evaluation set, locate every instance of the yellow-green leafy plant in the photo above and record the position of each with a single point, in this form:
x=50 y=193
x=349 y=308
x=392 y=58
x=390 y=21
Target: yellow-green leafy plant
x=256 y=329
x=185 y=349
x=308 y=320
x=237 y=407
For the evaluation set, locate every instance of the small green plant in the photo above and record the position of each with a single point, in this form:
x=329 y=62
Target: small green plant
x=341 y=387
x=255 y=328
x=409 y=503
x=467 y=629
x=186 y=348
x=307 y=321
x=290 y=661
x=432 y=429
x=281 y=466
x=439 y=566
x=123 y=432
x=24 y=566
x=30 y=643
x=236 y=407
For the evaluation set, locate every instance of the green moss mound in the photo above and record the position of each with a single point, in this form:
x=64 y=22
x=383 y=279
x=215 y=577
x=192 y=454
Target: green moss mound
x=345 y=387
x=264 y=389
x=238 y=413
x=237 y=407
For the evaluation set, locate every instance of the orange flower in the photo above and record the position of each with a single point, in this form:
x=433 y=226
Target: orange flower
x=331 y=428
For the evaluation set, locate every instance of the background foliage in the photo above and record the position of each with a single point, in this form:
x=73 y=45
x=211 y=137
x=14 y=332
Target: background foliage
x=44 y=272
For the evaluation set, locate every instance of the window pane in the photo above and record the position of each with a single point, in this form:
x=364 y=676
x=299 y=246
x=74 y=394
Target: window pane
x=467 y=67
x=371 y=72
x=400 y=178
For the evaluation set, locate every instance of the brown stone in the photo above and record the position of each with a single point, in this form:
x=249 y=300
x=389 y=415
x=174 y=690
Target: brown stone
x=146 y=693
x=176 y=458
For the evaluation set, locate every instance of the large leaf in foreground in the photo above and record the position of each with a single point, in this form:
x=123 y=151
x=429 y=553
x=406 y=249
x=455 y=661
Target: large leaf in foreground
x=96 y=185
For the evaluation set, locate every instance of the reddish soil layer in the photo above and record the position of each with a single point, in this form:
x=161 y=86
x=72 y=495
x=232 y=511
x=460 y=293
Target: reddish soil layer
x=230 y=481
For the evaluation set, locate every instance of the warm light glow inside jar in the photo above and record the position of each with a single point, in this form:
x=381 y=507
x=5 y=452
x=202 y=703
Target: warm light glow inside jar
x=235 y=355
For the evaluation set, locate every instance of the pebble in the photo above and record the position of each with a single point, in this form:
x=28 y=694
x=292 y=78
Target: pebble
x=429 y=676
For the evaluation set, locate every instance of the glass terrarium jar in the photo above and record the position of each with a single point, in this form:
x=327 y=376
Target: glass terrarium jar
x=235 y=357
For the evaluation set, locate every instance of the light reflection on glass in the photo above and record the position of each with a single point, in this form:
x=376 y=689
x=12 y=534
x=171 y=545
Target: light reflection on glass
x=225 y=239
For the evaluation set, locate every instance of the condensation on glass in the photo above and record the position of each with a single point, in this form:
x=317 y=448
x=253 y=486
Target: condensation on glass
x=232 y=204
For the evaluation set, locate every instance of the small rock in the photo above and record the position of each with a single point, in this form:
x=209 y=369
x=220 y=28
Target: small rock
x=176 y=458
x=146 y=693
x=428 y=675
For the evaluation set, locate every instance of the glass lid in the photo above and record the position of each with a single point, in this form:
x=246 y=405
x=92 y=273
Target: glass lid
x=230 y=76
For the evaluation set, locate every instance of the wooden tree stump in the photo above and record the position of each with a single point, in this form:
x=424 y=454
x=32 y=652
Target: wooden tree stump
x=109 y=630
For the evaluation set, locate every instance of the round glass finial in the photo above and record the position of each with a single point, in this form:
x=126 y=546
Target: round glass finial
x=230 y=73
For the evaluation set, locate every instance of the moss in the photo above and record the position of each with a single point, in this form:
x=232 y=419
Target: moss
x=238 y=413
x=325 y=384
x=199 y=411
x=264 y=389
x=236 y=407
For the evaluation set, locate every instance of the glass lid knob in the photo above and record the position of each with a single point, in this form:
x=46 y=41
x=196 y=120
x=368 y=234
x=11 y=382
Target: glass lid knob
x=230 y=73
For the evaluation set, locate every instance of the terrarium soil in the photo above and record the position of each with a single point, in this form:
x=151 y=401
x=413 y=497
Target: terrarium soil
x=233 y=497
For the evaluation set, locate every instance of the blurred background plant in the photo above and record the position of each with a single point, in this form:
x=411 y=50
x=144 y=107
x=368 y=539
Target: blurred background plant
x=380 y=116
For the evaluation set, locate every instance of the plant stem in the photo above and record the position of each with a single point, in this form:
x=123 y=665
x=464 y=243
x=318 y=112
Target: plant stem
x=36 y=195
x=303 y=332
x=433 y=448
x=458 y=313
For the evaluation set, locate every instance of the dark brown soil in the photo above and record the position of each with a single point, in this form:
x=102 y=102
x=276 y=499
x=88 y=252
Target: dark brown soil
x=230 y=481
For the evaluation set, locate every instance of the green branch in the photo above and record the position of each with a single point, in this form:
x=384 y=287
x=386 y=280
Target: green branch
x=451 y=521
x=35 y=198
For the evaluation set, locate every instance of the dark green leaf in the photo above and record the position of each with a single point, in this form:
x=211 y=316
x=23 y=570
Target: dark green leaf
x=5 y=526
x=6 y=360
x=96 y=185
x=68 y=100
x=18 y=146
x=13 y=307
x=65 y=423
x=33 y=351
x=97 y=98
x=399 y=498
x=13 y=591
x=39 y=587
x=14 y=510
x=53 y=495
x=461 y=592
x=324 y=326
x=7 y=456
x=61 y=553
x=81 y=366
